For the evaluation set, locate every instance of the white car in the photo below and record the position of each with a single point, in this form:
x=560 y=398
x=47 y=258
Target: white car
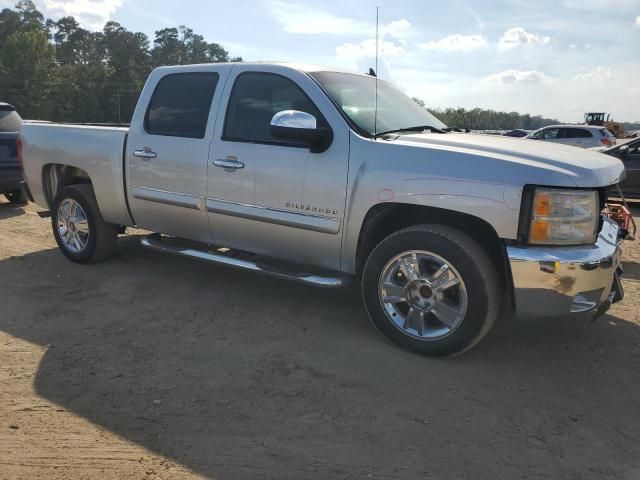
x=585 y=136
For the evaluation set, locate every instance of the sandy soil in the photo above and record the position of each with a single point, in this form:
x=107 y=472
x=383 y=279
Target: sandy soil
x=149 y=366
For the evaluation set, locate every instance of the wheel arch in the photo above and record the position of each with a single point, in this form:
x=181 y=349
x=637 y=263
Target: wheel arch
x=56 y=176
x=386 y=218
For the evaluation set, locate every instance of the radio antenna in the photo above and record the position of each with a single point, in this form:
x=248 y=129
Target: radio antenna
x=375 y=113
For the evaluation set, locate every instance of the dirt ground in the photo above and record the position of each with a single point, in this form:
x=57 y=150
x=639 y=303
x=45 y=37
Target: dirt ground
x=149 y=366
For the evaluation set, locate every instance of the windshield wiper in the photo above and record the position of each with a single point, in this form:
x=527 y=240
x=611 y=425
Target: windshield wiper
x=419 y=128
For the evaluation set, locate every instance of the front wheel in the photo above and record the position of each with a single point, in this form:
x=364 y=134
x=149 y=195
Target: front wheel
x=431 y=289
x=80 y=231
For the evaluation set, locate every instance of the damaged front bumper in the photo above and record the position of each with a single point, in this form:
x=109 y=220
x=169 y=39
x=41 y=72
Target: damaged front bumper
x=556 y=281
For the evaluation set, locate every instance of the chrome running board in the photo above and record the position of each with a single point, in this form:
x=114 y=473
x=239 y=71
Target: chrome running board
x=154 y=242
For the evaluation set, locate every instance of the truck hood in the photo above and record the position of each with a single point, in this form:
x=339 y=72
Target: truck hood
x=558 y=164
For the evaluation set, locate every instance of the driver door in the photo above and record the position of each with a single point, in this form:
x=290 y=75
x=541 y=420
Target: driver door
x=270 y=196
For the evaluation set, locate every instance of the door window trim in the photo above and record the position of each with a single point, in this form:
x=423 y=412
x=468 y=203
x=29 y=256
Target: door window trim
x=145 y=123
x=276 y=143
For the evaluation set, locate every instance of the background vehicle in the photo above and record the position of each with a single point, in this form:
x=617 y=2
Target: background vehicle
x=326 y=177
x=629 y=154
x=11 y=182
x=598 y=119
x=576 y=135
x=518 y=133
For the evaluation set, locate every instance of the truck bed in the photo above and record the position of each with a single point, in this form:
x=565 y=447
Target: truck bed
x=96 y=150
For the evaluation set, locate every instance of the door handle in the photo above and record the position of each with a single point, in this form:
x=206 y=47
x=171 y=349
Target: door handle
x=145 y=153
x=228 y=163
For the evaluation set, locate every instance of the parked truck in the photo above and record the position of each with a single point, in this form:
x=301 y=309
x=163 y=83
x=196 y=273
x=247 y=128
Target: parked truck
x=329 y=177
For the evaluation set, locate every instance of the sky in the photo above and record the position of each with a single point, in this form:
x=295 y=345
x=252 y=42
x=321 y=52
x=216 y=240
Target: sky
x=558 y=58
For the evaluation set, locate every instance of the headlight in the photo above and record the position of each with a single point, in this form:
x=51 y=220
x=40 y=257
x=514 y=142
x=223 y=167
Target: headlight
x=564 y=217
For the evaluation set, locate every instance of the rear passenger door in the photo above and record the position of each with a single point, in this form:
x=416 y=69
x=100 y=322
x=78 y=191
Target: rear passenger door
x=280 y=200
x=168 y=150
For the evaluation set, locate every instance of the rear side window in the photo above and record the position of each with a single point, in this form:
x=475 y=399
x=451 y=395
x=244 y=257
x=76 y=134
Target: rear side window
x=577 y=133
x=606 y=133
x=180 y=105
x=10 y=121
x=255 y=99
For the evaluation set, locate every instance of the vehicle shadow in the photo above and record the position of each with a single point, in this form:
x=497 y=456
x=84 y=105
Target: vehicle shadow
x=10 y=210
x=631 y=270
x=239 y=376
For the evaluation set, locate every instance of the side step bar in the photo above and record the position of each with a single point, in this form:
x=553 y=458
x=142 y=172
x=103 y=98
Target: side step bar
x=154 y=242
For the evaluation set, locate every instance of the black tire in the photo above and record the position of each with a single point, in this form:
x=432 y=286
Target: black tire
x=102 y=237
x=471 y=262
x=17 y=196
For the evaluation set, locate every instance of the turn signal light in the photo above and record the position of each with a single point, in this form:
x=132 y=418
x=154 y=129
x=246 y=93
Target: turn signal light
x=541 y=206
x=539 y=230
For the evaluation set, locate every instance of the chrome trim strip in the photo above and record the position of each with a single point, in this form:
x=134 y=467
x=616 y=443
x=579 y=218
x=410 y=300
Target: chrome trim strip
x=168 y=198
x=154 y=243
x=286 y=218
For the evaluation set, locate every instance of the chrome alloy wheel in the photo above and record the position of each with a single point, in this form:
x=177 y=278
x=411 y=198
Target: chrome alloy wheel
x=423 y=295
x=73 y=226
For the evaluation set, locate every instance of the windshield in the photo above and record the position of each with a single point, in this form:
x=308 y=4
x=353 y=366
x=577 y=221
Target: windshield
x=356 y=96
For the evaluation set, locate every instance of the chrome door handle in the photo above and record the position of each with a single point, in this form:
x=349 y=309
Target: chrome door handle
x=228 y=163
x=145 y=153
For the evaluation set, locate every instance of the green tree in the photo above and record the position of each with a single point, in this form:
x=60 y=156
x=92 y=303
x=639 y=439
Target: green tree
x=28 y=58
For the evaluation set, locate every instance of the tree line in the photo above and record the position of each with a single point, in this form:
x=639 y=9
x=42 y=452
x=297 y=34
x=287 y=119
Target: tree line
x=480 y=119
x=59 y=71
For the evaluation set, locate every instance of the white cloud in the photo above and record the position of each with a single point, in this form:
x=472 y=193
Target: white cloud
x=516 y=76
x=91 y=14
x=308 y=20
x=638 y=21
x=602 y=5
x=368 y=49
x=398 y=29
x=600 y=73
x=302 y=19
x=518 y=36
x=457 y=42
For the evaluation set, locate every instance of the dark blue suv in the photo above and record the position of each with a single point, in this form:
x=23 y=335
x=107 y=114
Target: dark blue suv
x=11 y=181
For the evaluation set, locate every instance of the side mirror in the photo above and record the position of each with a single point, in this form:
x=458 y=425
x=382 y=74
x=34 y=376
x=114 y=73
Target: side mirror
x=301 y=127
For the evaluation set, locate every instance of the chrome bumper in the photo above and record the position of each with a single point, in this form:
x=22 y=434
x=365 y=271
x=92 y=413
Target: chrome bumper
x=555 y=281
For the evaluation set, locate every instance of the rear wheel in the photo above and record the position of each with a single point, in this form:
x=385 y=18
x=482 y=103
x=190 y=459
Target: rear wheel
x=80 y=231
x=17 y=196
x=431 y=289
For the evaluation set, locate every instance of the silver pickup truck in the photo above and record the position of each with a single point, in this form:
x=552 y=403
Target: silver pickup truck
x=289 y=170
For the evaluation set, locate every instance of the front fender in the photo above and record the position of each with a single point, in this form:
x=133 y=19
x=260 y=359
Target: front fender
x=376 y=182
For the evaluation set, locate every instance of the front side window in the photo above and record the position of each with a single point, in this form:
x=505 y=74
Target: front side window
x=550 y=134
x=355 y=96
x=255 y=99
x=180 y=105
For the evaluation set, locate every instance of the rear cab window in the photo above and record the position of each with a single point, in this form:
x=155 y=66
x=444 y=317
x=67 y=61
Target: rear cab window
x=180 y=105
